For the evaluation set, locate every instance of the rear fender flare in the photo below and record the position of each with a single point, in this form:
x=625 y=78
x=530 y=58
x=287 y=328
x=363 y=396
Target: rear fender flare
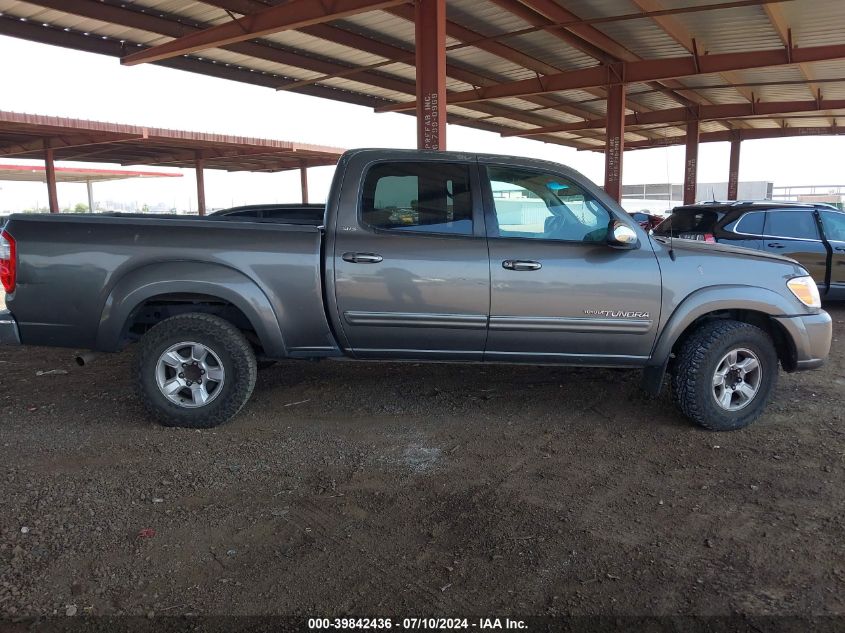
x=214 y=280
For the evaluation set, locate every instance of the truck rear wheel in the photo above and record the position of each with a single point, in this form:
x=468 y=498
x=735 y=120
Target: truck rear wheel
x=725 y=374
x=195 y=371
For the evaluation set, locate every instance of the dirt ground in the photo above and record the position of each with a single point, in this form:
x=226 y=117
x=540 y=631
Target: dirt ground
x=385 y=489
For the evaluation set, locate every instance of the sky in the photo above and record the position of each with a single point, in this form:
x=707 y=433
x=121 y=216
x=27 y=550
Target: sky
x=54 y=81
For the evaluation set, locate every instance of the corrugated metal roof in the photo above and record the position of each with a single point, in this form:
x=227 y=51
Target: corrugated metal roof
x=137 y=145
x=367 y=58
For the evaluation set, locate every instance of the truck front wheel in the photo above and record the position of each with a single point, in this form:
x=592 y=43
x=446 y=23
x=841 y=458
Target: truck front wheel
x=725 y=374
x=195 y=371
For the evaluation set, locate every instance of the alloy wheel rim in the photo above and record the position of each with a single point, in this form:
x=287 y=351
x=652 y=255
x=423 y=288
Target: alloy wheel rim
x=190 y=374
x=737 y=379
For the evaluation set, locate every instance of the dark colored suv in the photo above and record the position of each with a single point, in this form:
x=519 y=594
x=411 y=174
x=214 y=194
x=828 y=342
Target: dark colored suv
x=814 y=235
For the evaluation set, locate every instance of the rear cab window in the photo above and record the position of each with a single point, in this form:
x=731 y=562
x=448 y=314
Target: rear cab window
x=420 y=197
x=689 y=222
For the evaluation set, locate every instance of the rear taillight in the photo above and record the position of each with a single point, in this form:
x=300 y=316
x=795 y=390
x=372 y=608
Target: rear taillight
x=8 y=262
x=710 y=238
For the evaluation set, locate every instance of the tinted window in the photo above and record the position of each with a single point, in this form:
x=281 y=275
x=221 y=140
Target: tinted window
x=429 y=197
x=688 y=221
x=749 y=224
x=537 y=205
x=794 y=224
x=834 y=225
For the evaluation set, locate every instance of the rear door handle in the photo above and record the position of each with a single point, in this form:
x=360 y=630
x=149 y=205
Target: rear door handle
x=362 y=258
x=521 y=264
x=775 y=245
x=841 y=249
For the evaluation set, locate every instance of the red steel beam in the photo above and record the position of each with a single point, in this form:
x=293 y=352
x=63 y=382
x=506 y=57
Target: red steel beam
x=614 y=151
x=284 y=17
x=731 y=135
x=430 y=29
x=50 y=170
x=642 y=71
x=691 y=163
x=699 y=113
x=733 y=170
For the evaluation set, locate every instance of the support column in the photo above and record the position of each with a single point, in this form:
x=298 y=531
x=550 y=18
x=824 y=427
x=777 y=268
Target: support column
x=90 y=186
x=691 y=163
x=303 y=182
x=615 y=147
x=198 y=167
x=430 y=23
x=50 y=170
x=733 y=170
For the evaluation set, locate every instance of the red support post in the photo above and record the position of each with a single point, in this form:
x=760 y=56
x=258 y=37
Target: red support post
x=303 y=181
x=50 y=170
x=199 y=166
x=614 y=150
x=733 y=170
x=691 y=163
x=430 y=24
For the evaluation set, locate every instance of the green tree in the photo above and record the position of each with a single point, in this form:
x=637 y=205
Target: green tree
x=80 y=207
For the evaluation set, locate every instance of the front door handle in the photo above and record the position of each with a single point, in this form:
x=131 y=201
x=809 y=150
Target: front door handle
x=362 y=258
x=521 y=264
x=841 y=249
x=775 y=245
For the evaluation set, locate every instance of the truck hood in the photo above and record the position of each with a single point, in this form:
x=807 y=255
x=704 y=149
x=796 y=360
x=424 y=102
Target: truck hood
x=708 y=248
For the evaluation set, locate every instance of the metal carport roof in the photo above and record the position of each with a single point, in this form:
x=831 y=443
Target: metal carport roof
x=537 y=68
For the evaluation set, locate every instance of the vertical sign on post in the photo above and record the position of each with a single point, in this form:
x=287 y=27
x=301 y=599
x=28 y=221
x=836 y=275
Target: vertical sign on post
x=691 y=164
x=615 y=147
x=430 y=24
x=733 y=170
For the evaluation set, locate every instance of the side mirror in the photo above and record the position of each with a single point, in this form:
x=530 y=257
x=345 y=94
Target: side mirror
x=621 y=236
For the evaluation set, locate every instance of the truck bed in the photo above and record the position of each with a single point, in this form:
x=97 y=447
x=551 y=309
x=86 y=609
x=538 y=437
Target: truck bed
x=80 y=261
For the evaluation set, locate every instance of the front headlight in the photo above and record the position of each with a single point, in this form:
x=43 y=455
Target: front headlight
x=806 y=291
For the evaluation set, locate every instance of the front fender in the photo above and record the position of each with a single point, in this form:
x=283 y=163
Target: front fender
x=715 y=299
x=162 y=278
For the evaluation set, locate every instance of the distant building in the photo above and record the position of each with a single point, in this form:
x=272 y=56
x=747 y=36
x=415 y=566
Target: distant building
x=661 y=198
x=814 y=194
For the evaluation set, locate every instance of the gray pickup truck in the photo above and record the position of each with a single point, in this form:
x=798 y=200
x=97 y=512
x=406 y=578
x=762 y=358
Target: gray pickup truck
x=429 y=256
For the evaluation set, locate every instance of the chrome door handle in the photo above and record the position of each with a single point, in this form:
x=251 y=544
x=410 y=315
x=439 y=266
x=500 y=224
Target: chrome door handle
x=362 y=258
x=521 y=264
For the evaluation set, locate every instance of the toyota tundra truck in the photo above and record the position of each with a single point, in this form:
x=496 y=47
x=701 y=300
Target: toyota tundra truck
x=424 y=256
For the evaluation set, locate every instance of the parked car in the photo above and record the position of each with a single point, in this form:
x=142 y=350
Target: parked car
x=814 y=235
x=646 y=220
x=429 y=256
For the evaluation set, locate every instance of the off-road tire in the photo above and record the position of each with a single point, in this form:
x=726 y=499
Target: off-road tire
x=696 y=364
x=227 y=342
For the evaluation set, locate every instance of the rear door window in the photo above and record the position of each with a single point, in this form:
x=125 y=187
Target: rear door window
x=751 y=223
x=792 y=224
x=427 y=197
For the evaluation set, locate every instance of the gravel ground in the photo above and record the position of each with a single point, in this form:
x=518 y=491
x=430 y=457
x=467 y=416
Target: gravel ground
x=416 y=489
